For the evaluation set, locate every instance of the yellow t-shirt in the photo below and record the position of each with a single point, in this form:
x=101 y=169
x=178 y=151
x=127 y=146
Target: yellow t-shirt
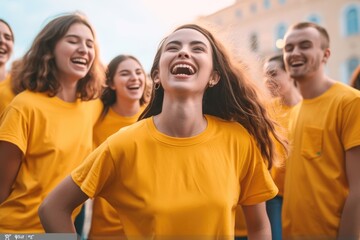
x=6 y=94
x=177 y=187
x=105 y=222
x=321 y=130
x=240 y=223
x=281 y=115
x=55 y=137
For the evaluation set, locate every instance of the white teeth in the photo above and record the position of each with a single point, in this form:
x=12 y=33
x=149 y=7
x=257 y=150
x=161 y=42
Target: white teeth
x=134 y=87
x=2 y=51
x=297 y=63
x=79 y=60
x=183 y=66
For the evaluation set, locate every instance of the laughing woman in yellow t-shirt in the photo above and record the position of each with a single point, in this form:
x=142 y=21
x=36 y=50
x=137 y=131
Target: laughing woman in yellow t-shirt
x=123 y=100
x=46 y=130
x=201 y=148
x=6 y=49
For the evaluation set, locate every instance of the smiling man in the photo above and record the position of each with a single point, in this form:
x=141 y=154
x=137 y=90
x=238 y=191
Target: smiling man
x=322 y=184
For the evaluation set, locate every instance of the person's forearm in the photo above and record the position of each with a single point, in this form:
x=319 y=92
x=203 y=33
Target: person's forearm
x=262 y=234
x=56 y=222
x=350 y=219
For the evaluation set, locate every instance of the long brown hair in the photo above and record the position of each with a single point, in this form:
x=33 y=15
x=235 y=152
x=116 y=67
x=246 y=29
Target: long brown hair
x=37 y=69
x=108 y=97
x=234 y=98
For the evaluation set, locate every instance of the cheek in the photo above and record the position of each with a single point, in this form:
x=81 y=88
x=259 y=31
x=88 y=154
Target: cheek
x=92 y=55
x=10 y=46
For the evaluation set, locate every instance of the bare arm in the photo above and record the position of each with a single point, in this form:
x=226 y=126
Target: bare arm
x=10 y=161
x=350 y=217
x=257 y=222
x=55 y=211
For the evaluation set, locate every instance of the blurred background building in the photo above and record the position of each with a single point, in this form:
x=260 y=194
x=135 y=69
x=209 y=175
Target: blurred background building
x=260 y=25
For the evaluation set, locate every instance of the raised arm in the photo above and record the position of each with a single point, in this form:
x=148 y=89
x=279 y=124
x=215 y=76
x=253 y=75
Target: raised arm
x=10 y=161
x=350 y=217
x=55 y=211
x=257 y=222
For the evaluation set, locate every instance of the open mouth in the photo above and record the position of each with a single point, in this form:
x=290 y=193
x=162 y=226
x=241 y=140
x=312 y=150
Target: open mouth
x=297 y=64
x=3 y=51
x=133 y=87
x=183 y=69
x=81 y=61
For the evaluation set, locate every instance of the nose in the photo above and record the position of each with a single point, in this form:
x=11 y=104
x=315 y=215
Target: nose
x=133 y=76
x=183 y=53
x=83 y=48
x=295 y=51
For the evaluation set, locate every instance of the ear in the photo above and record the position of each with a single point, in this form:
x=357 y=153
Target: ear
x=215 y=78
x=327 y=54
x=112 y=87
x=156 y=77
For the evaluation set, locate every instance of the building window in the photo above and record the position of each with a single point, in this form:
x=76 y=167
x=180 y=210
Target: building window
x=254 y=42
x=314 y=18
x=238 y=13
x=280 y=31
x=352 y=63
x=352 y=21
x=266 y=4
x=282 y=1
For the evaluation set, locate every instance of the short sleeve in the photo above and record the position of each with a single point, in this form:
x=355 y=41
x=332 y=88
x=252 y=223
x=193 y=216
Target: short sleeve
x=257 y=185
x=96 y=172
x=350 y=129
x=14 y=128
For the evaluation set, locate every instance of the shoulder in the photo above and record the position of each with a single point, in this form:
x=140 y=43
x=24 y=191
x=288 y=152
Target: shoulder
x=345 y=94
x=27 y=99
x=342 y=89
x=131 y=131
x=230 y=132
x=224 y=125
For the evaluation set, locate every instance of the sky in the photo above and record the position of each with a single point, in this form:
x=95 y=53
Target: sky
x=133 y=27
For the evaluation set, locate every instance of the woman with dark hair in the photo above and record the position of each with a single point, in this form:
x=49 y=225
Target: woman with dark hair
x=6 y=49
x=123 y=101
x=46 y=130
x=201 y=148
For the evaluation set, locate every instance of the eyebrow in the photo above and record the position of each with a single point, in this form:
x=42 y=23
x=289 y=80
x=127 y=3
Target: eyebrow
x=76 y=36
x=127 y=70
x=8 y=35
x=191 y=43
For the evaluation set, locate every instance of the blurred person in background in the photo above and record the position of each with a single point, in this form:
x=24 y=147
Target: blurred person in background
x=123 y=101
x=6 y=50
x=285 y=96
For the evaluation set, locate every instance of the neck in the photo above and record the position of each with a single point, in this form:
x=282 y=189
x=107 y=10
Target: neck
x=67 y=92
x=126 y=108
x=292 y=98
x=181 y=118
x=314 y=86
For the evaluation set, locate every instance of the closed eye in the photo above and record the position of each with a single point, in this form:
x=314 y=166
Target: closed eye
x=171 y=48
x=199 y=49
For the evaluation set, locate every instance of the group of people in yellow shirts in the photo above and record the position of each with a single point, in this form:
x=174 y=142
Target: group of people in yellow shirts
x=199 y=153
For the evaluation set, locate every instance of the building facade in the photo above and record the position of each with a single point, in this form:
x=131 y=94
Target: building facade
x=259 y=26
